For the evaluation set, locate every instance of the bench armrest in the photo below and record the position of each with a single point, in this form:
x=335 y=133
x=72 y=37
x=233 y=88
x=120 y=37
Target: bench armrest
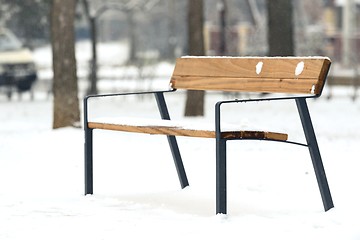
x=126 y=93
x=85 y=100
x=267 y=99
x=218 y=106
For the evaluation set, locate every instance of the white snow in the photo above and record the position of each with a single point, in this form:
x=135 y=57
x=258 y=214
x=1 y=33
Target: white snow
x=272 y=190
x=299 y=68
x=259 y=67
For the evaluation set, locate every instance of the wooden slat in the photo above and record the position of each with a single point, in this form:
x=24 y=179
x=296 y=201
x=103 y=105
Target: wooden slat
x=273 y=67
x=259 y=74
x=162 y=130
x=178 y=131
x=306 y=86
x=255 y=135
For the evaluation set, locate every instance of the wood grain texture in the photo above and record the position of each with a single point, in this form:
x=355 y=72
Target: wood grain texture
x=179 y=131
x=254 y=74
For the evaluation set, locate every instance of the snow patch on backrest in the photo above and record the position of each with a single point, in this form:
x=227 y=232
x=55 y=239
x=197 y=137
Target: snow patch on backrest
x=259 y=67
x=313 y=89
x=299 y=68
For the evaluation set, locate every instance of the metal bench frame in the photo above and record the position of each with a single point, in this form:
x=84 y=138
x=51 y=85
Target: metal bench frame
x=221 y=183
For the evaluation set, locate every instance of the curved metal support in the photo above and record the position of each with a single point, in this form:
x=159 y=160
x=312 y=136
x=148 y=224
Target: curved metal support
x=159 y=96
x=267 y=99
x=125 y=94
x=271 y=140
x=221 y=192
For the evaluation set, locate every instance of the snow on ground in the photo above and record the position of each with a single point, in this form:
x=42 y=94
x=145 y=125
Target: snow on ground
x=272 y=190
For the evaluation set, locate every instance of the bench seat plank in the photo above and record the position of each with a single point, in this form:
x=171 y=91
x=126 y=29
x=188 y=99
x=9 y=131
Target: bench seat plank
x=166 y=127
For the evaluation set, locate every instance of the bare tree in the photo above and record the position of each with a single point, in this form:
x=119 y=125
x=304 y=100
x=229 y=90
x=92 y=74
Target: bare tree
x=65 y=88
x=195 y=99
x=280 y=31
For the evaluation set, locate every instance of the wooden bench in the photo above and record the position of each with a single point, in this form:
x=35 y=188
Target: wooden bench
x=293 y=78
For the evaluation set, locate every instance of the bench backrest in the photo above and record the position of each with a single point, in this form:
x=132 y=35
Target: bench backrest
x=297 y=75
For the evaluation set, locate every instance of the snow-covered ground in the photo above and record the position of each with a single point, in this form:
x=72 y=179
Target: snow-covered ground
x=272 y=190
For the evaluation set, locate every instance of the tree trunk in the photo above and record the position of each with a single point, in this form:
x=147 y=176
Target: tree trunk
x=195 y=99
x=92 y=89
x=280 y=27
x=65 y=88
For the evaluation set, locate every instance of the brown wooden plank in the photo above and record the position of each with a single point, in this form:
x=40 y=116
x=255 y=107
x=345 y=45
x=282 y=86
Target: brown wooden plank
x=178 y=131
x=324 y=72
x=162 y=130
x=273 y=67
x=306 y=86
x=255 y=135
x=277 y=74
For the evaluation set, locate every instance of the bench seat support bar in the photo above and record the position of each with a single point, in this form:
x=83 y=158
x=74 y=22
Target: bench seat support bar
x=221 y=193
x=314 y=153
x=159 y=96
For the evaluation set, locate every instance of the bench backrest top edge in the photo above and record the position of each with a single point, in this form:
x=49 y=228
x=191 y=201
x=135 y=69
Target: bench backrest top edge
x=259 y=57
x=299 y=75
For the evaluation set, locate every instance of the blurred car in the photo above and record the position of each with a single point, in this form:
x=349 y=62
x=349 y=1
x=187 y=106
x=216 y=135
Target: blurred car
x=17 y=67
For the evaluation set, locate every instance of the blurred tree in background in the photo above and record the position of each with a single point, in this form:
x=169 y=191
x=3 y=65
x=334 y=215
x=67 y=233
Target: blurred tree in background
x=65 y=88
x=195 y=99
x=280 y=28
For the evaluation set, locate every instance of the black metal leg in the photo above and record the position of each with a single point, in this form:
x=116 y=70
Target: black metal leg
x=160 y=100
x=88 y=161
x=221 y=176
x=314 y=153
x=178 y=161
